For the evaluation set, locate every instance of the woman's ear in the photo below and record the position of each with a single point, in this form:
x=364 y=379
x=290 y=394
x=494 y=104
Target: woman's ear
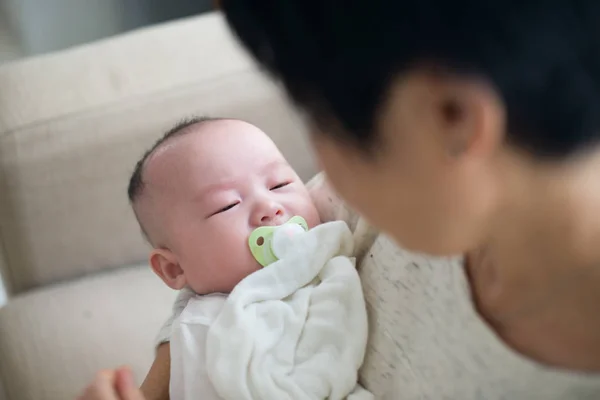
x=472 y=119
x=165 y=264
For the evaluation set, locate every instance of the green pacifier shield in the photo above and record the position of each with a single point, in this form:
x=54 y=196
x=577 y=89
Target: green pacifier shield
x=261 y=239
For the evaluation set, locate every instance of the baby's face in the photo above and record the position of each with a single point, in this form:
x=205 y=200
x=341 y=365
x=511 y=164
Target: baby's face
x=211 y=188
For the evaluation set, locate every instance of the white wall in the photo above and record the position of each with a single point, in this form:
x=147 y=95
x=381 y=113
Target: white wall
x=42 y=26
x=9 y=49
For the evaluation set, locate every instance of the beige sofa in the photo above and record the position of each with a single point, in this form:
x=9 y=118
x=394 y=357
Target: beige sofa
x=82 y=297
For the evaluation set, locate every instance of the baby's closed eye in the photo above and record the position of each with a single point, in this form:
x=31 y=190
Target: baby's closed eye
x=224 y=209
x=280 y=185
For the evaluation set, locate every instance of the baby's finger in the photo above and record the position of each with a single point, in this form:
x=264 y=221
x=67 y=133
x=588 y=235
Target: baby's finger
x=125 y=385
x=102 y=388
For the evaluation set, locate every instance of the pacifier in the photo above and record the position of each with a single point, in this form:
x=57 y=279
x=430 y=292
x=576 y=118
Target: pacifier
x=270 y=243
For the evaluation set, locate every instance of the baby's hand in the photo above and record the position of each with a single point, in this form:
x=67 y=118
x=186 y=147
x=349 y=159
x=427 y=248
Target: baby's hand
x=113 y=385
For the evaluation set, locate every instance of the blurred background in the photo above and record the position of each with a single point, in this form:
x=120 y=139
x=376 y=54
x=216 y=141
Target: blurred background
x=32 y=27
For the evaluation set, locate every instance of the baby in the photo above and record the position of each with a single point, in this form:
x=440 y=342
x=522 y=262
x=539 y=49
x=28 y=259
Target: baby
x=198 y=194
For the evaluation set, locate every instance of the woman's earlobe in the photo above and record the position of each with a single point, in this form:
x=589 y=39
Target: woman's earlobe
x=165 y=264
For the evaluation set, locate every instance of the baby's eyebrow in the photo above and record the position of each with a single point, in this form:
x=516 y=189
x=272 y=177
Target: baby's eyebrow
x=227 y=185
x=212 y=188
x=276 y=164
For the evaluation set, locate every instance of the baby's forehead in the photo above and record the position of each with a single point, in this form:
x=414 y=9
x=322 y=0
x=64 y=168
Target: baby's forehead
x=216 y=147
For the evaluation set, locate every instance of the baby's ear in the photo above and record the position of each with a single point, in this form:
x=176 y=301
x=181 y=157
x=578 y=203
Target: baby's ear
x=164 y=264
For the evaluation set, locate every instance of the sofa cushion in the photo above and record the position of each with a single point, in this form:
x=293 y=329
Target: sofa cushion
x=73 y=124
x=52 y=341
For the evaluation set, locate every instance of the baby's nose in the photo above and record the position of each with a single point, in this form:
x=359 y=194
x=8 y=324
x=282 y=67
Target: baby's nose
x=271 y=215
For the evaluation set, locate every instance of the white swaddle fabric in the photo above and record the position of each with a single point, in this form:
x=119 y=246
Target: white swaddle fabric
x=296 y=329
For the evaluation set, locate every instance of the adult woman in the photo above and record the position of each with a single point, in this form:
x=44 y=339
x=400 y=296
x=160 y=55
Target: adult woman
x=461 y=127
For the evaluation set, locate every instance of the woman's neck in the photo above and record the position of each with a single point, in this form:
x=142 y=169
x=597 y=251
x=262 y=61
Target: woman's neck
x=554 y=209
x=537 y=277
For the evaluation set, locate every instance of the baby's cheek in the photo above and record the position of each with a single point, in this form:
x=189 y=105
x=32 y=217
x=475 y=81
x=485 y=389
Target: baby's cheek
x=311 y=215
x=241 y=263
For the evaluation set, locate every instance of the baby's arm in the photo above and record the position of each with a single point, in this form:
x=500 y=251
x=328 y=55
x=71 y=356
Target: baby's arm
x=156 y=384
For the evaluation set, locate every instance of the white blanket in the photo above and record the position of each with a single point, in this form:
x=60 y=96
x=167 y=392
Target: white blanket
x=296 y=329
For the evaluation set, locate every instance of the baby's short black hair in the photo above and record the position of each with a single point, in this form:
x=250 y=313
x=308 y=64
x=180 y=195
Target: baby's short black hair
x=338 y=58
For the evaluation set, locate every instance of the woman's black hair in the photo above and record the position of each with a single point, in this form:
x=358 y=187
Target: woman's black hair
x=338 y=58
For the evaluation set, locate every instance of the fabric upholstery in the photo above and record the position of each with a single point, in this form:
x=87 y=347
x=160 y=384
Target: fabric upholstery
x=66 y=150
x=52 y=341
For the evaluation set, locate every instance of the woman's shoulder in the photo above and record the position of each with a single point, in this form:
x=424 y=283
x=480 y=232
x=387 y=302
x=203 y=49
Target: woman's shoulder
x=329 y=204
x=332 y=207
